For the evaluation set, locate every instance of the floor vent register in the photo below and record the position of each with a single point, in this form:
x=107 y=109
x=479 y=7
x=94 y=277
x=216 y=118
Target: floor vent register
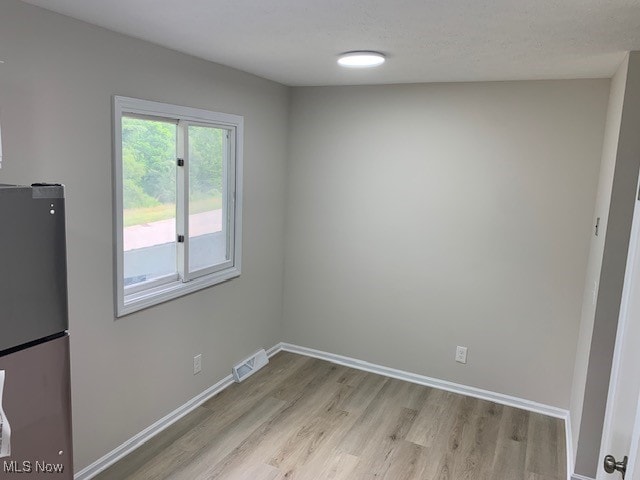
x=249 y=366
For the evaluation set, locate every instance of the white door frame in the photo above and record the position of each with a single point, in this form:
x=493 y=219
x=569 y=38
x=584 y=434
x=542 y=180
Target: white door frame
x=631 y=279
x=633 y=472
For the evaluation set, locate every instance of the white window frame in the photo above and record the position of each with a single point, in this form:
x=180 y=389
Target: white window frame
x=137 y=297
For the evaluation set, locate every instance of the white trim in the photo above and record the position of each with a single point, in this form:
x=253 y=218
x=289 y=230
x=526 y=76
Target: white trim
x=118 y=220
x=634 y=450
x=169 y=291
x=144 y=436
x=182 y=200
x=274 y=350
x=429 y=382
x=128 y=301
x=575 y=476
x=568 y=444
x=175 y=112
x=500 y=398
x=631 y=272
x=148 y=433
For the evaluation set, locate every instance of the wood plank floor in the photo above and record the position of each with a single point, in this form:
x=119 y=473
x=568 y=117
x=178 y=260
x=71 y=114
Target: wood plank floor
x=307 y=419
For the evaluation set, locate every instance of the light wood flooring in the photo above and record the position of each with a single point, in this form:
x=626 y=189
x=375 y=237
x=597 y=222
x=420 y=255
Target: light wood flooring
x=303 y=418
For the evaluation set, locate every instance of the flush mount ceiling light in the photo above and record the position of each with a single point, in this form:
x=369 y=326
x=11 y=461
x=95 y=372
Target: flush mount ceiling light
x=361 y=59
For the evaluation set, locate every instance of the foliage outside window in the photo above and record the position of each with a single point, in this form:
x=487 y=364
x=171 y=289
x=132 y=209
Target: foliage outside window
x=177 y=200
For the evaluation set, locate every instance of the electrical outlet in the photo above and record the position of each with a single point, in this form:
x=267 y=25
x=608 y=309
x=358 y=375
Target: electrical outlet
x=197 y=364
x=461 y=354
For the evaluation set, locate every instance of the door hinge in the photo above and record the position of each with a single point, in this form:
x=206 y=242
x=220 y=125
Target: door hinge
x=181 y=162
x=180 y=238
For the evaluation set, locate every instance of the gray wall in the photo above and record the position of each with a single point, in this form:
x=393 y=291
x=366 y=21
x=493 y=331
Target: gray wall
x=614 y=260
x=603 y=199
x=421 y=217
x=55 y=107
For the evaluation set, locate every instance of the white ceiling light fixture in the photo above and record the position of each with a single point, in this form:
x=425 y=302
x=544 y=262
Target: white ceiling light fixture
x=361 y=59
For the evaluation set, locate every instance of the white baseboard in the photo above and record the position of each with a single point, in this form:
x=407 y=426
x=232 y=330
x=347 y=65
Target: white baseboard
x=148 y=433
x=144 y=436
x=575 y=476
x=569 y=444
x=428 y=381
x=445 y=385
x=275 y=349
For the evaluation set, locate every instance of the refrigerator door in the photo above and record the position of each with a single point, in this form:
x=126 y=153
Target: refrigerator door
x=36 y=401
x=33 y=286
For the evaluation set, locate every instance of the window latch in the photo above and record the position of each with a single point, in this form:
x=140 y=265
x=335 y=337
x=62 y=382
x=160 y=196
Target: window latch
x=180 y=238
x=181 y=162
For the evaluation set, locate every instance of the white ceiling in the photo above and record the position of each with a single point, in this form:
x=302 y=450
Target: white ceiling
x=295 y=42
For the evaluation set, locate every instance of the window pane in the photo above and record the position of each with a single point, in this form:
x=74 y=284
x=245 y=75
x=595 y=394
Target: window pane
x=149 y=199
x=207 y=194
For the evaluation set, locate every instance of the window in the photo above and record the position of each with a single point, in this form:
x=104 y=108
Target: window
x=178 y=178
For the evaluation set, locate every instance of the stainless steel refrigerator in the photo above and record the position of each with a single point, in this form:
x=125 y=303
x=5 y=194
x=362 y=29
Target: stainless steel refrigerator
x=35 y=403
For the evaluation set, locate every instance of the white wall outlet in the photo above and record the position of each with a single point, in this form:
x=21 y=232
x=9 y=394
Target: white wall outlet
x=197 y=364
x=461 y=354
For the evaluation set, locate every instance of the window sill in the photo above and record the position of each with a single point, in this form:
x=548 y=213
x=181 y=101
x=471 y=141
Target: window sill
x=153 y=296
